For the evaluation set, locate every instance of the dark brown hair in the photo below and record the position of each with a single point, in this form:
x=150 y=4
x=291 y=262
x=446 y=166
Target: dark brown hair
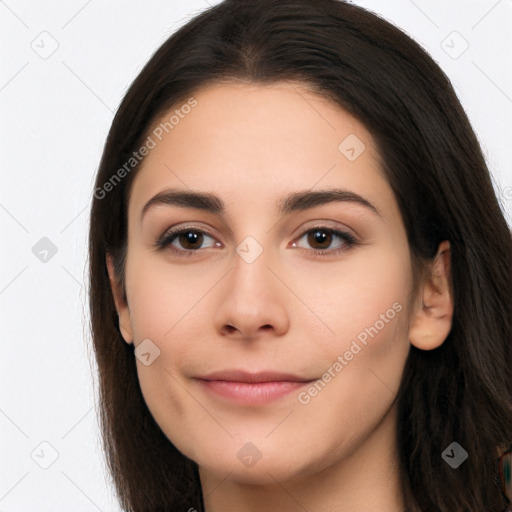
x=460 y=392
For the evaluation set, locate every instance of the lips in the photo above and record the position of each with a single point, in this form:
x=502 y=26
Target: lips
x=244 y=388
x=243 y=376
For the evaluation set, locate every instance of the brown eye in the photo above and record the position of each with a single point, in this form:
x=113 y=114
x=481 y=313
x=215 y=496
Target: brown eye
x=320 y=240
x=185 y=241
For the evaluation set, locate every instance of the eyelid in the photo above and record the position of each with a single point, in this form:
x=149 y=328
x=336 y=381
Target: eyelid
x=318 y=224
x=325 y=224
x=188 y=226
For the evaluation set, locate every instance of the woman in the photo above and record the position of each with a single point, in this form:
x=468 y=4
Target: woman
x=242 y=366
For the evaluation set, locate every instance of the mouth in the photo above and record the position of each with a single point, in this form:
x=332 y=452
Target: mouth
x=245 y=388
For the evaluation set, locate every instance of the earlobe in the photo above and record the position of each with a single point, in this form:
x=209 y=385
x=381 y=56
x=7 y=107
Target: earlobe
x=431 y=321
x=123 y=311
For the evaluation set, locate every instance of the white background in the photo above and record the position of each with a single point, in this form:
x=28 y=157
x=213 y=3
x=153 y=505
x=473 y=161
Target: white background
x=55 y=115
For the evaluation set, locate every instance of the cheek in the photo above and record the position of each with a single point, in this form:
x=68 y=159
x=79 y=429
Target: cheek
x=365 y=294
x=161 y=310
x=367 y=310
x=166 y=308
x=161 y=298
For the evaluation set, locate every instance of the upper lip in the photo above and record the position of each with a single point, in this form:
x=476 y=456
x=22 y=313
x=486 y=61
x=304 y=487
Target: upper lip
x=253 y=377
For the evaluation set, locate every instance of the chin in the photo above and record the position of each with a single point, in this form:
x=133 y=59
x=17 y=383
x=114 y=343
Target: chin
x=246 y=466
x=262 y=473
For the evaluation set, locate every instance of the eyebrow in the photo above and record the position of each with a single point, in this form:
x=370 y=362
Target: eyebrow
x=296 y=201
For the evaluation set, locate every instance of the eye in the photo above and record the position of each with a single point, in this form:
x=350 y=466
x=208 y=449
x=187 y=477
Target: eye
x=186 y=241
x=189 y=238
x=321 y=238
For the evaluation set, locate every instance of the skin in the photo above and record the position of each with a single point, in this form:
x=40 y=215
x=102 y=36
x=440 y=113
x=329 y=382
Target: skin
x=288 y=310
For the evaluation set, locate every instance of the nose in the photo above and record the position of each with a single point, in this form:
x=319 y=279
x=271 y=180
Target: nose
x=253 y=300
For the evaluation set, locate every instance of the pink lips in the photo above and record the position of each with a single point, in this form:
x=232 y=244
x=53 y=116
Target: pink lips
x=251 y=388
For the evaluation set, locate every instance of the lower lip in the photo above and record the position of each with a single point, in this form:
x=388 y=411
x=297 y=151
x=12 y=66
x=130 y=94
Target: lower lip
x=256 y=393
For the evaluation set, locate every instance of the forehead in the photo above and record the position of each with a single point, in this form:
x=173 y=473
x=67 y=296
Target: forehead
x=258 y=141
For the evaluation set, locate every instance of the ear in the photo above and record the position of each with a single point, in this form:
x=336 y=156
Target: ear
x=431 y=320
x=123 y=311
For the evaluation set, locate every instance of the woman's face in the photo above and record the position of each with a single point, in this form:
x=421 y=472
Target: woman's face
x=272 y=333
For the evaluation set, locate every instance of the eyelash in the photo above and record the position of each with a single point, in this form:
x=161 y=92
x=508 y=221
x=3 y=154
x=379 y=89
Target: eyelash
x=349 y=241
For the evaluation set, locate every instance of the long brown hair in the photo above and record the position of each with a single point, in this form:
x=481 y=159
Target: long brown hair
x=460 y=392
